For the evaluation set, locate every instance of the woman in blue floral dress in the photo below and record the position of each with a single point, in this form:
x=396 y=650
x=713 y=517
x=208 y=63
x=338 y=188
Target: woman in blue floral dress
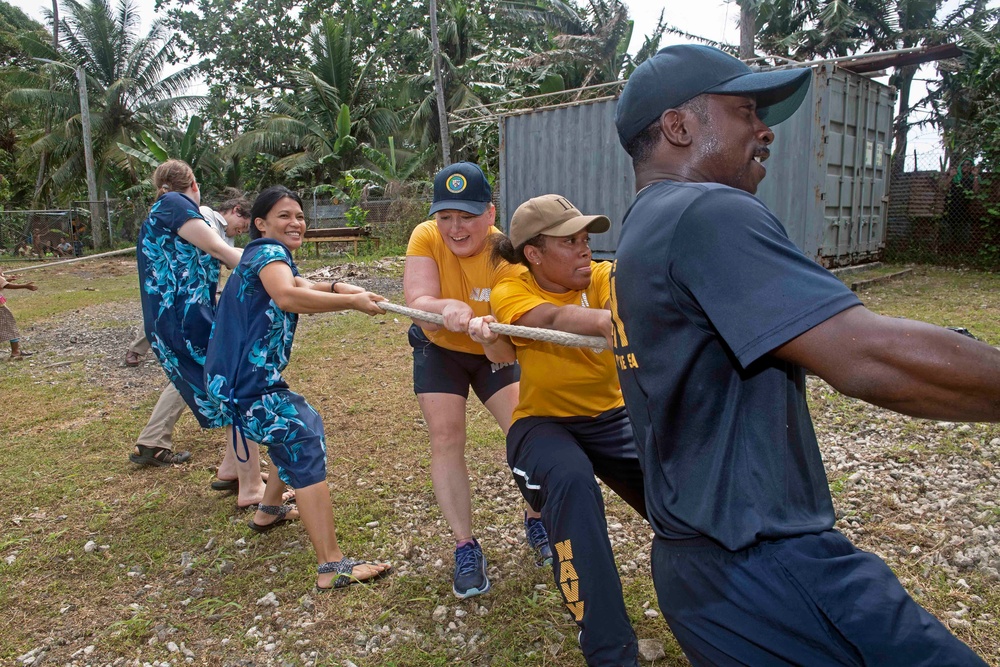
x=178 y=256
x=250 y=347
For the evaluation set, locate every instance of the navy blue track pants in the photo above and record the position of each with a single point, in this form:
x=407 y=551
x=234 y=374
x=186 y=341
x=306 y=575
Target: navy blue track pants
x=811 y=600
x=554 y=461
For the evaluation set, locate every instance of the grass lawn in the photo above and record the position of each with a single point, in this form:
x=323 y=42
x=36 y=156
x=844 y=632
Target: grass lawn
x=103 y=562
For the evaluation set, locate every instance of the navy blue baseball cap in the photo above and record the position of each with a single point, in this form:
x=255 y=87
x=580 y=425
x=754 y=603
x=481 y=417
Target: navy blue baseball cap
x=679 y=73
x=463 y=187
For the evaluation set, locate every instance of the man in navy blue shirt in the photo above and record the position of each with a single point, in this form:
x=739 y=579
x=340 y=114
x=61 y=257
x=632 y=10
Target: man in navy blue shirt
x=717 y=315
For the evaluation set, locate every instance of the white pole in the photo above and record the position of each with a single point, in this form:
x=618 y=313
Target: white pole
x=112 y=253
x=107 y=212
x=439 y=87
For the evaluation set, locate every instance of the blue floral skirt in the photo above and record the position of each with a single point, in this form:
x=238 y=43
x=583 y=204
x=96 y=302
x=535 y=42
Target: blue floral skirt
x=292 y=431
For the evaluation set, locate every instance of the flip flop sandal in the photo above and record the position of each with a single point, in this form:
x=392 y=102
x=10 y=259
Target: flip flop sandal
x=132 y=358
x=225 y=485
x=252 y=507
x=344 y=569
x=159 y=457
x=229 y=484
x=274 y=510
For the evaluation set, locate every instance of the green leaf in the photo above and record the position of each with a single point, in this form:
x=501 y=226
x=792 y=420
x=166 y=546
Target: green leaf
x=344 y=122
x=190 y=139
x=157 y=150
x=553 y=83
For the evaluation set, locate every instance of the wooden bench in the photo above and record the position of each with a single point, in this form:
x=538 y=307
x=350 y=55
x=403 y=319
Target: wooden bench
x=340 y=235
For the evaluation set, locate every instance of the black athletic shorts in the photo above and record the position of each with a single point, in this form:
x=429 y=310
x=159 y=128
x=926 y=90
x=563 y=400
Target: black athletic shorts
x=440 y=371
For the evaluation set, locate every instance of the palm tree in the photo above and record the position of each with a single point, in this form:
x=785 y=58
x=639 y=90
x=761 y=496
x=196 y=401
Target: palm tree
x=591 y=43
x=966 y=99
x=390 y=173
x=472 y=72
x=335 y=106
x=805 y=29
x=128 y=92
x=17 y=124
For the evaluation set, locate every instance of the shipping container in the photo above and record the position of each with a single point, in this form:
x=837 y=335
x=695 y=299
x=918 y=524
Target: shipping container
x=827 y=177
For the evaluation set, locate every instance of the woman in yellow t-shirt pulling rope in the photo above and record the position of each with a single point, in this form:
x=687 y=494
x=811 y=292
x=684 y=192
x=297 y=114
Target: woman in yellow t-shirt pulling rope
x=448 y=272
x=570 y=421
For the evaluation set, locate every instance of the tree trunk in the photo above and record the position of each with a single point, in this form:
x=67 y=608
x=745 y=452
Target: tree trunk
x=40 y=178
x=44 y=158
x=748 y=29
x=88 y=157
x=442 y=109
x=901 y=124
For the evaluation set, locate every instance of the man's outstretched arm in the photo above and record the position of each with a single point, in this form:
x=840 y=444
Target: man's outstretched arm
x=911 y=367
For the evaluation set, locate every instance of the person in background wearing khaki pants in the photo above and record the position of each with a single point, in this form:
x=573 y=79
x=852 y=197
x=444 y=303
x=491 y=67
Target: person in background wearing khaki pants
x=232 y=218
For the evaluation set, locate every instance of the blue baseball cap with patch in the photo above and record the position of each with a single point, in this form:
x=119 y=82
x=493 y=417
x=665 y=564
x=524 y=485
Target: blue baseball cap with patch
x=679 y=73
x=462 y=187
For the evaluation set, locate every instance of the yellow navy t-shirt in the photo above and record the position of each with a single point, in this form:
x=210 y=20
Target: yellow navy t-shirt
x=468 y=279
x=559 y=381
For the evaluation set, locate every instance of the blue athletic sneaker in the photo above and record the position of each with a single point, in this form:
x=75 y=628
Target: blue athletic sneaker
x=538 y=541
x=470 y=571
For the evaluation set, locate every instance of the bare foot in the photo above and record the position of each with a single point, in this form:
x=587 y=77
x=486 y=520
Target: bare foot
x=244 y=501
x=359 y=573
x=247 y=498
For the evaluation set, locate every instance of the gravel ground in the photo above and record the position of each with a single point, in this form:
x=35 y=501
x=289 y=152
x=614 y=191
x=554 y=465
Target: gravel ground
x=924 y=497
x=99 y=336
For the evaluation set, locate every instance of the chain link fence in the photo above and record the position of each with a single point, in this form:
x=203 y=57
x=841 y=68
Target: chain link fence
x=32 y=235
x=947 y=214
x=38 y=234
x=80 y=228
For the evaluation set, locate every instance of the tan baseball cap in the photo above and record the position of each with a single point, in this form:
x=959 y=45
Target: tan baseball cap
x=552 y=215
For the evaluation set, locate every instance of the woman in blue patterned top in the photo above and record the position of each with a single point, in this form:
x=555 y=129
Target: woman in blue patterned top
x=250 y=347
x=178 y=256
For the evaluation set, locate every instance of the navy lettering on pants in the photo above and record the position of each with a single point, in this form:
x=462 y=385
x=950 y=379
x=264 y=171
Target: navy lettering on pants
x=554 y=461
x=811 y=600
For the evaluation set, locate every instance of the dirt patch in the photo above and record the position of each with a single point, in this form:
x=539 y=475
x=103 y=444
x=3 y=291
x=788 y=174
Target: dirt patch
x=95 y=338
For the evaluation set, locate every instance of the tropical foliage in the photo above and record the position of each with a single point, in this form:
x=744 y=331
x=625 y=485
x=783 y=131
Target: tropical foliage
x=806 y=29
x=340 y=99
x=17 y=122
x=128 y=90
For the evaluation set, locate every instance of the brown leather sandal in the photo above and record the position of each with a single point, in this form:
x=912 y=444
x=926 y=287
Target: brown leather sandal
x=159 y=457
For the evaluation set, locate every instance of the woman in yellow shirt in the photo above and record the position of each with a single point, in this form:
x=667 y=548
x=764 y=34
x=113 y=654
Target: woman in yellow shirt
x=448 y=271
x=570 y=421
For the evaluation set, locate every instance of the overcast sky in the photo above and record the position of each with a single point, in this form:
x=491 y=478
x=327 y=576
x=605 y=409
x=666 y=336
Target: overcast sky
x=715 y=19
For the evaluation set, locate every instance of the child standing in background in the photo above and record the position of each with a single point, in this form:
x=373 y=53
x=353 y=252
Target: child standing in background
x=8 y=327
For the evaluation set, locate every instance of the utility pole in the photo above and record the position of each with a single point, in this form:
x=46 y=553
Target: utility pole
x=748 y=28
x=439 y=87
x=88 y=156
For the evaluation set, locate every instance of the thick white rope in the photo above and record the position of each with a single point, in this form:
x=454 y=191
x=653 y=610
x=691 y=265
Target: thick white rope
x=17 y=270
x=546 y=335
